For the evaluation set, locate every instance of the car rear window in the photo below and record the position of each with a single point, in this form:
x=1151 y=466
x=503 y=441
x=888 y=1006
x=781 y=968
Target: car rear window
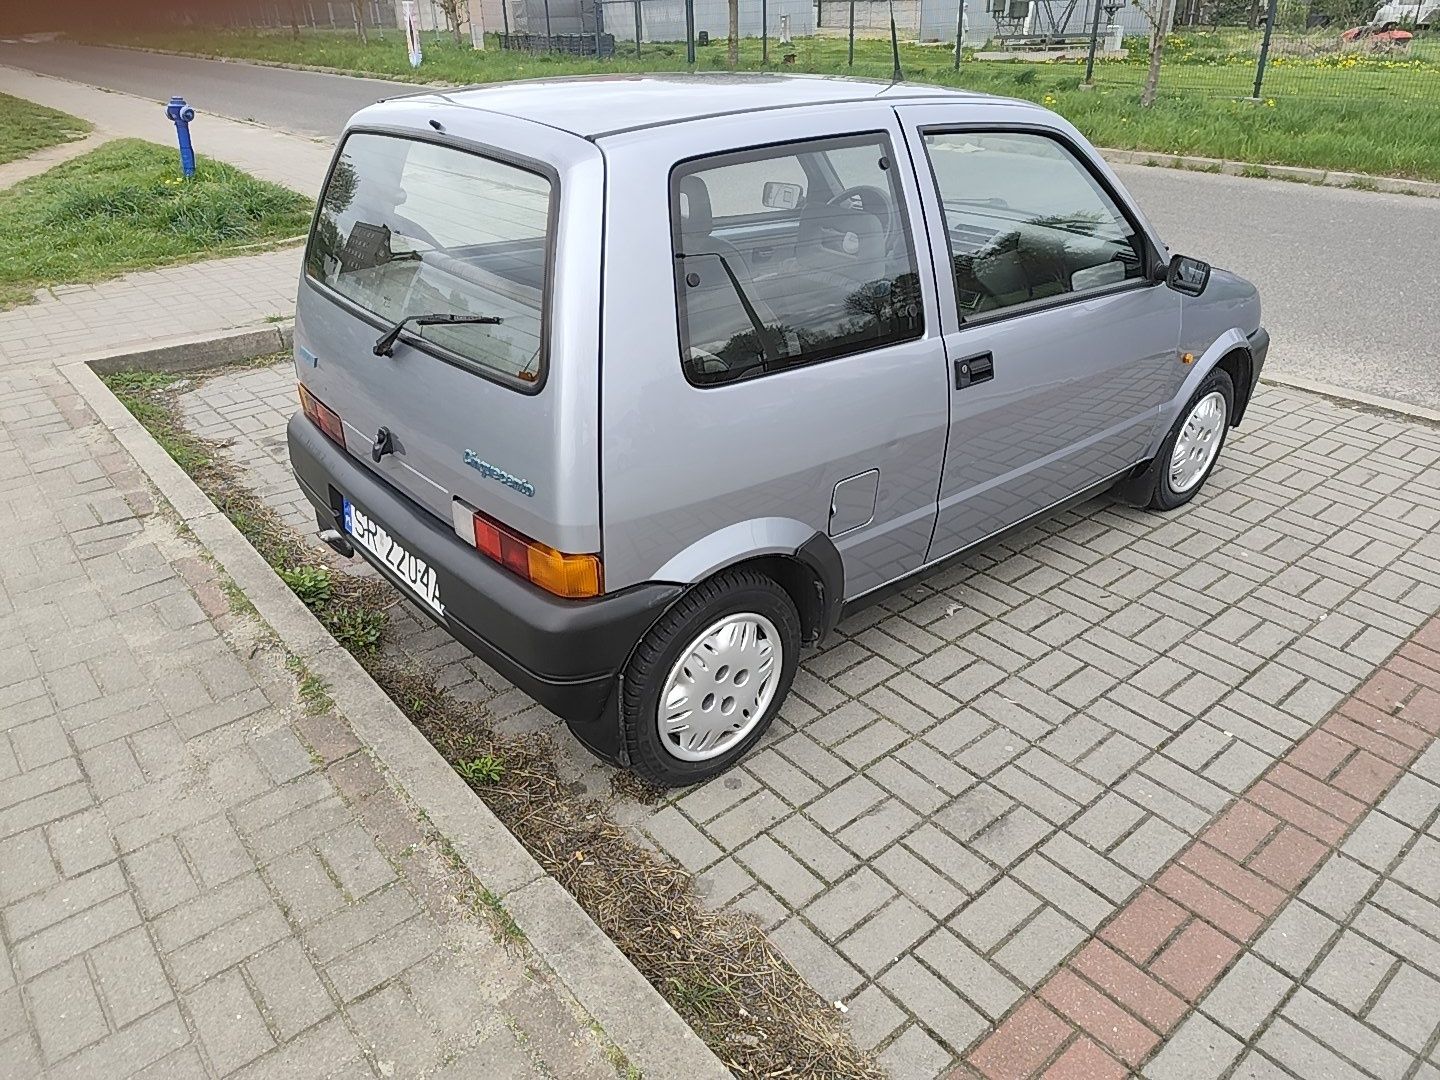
x=408 y=227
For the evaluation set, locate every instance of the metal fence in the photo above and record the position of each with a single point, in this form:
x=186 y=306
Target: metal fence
x=1261 y=50
x=302 y=14
x=1290 y=52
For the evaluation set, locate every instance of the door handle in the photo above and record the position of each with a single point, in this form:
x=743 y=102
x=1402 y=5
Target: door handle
x=974 y=369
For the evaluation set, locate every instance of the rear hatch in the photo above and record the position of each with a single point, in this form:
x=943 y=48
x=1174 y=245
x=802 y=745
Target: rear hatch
x=498 y=415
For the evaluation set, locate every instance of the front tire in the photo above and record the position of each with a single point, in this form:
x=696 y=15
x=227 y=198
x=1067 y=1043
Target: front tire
x=707 y=680
x=1188 y=455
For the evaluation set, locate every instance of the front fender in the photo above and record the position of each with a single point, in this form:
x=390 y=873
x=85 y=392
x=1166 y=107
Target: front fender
x=1222 y=346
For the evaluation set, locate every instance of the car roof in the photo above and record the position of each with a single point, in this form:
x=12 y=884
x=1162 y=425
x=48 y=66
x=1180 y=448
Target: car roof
x=592 y=106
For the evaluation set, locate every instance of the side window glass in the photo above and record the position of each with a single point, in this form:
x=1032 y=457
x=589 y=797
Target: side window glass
x=739 y=190
x=1026 y=221
x=800 y=280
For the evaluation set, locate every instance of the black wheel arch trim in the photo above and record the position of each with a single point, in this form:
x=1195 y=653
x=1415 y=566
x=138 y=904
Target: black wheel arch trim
x=822 y=558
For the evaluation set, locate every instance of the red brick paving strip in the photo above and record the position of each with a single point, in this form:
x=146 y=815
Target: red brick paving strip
x=1107 y=1008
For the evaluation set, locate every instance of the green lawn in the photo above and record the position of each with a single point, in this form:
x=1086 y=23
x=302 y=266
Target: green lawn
x=1363 y=118
x=125 y=207
x=26 y=127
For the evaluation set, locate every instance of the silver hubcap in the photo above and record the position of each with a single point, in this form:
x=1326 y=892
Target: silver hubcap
x=720 y=687
x=1198 y=443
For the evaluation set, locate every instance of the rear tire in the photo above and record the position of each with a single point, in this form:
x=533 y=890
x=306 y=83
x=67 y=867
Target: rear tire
x=1191 y=450
x=707 y=680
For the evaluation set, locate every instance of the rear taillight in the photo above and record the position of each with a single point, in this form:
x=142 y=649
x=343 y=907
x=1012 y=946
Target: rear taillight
x=322 y=416
x=572 y=576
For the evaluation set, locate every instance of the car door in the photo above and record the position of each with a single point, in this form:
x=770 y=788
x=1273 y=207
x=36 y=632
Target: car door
x=1061 y=347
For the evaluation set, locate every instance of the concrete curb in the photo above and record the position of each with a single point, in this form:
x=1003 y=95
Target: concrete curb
x=607 y=986
x=1295 y=173
x=1158 y=158
x=194 y=352
x=1346 y=396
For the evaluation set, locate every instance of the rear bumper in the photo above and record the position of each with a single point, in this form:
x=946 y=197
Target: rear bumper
x=565 y=654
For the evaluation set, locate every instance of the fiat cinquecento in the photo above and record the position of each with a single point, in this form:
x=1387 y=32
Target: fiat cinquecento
x=638 y=384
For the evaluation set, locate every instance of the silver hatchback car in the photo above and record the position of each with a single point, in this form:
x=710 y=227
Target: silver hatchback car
x=639 y=384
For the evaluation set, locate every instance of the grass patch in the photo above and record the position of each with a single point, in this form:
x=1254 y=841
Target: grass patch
x=310 y=583
x=719 y=970
x=125 y=207
x=1376 y=115
x=485 y=769
x=26 y=127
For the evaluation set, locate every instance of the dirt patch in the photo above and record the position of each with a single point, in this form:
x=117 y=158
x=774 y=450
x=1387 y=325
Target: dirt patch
x=718 y=970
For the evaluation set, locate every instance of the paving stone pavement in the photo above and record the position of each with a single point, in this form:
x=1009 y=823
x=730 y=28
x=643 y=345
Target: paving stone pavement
x=978 y=788
x=141 y=308
x=198 y=878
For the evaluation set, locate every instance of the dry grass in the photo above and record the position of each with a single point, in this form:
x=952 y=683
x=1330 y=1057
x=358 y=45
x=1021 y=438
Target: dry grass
x=718 y=970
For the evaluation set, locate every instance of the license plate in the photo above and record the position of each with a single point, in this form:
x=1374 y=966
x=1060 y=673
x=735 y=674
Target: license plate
x=413 y=572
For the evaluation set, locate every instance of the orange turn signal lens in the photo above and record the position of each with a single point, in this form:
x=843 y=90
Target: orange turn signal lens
x=575 y=577
x=321 y=415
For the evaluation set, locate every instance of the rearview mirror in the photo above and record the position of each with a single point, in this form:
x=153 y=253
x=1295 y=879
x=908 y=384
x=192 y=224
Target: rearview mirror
x=1187 y=275
x=778 y=196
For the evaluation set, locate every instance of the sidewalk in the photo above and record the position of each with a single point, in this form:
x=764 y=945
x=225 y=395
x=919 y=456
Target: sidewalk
x=155 y=305
x=178 y=301
x=291 y=160
x=198 y=876
x=195 y=872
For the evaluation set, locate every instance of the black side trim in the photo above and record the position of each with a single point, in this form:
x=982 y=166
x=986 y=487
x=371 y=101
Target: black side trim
x=1259 y=348
x=822 y=558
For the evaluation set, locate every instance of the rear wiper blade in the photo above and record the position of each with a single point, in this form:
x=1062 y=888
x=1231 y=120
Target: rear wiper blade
x=385 y=344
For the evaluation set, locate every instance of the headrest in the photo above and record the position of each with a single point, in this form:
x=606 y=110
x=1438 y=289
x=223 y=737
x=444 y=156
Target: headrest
x=696 y=217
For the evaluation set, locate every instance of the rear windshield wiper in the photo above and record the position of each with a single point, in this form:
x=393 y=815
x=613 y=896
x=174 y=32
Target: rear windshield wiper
x=385 y=344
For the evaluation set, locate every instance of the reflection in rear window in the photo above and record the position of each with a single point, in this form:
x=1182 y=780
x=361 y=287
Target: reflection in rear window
x=413 y=228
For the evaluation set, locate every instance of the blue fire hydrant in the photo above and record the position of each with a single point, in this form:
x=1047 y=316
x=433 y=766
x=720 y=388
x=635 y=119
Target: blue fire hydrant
x=182 y=114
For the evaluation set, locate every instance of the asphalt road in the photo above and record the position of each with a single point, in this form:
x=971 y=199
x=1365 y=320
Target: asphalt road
x=1349 y=279
x=305 y=102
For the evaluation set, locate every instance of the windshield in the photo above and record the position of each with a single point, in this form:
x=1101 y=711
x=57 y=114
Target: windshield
x=408 y=227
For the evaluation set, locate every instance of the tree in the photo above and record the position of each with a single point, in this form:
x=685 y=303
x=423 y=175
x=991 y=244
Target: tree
x=358 y=7
x=1157 y=14
x=455 y=10
x=733 y=58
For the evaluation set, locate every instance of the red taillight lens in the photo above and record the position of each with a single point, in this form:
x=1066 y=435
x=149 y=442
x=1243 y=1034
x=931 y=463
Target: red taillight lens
x=572 y=576
x=322 y=416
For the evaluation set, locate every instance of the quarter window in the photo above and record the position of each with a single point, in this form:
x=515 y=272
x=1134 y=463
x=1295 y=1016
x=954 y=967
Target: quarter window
x=779 y=262
x=1026 y=221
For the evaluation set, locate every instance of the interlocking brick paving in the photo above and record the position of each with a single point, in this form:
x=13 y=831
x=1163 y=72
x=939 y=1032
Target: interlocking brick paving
x=197 y=878
x=1160 y=955
x=150 y=305
x=1084 y=773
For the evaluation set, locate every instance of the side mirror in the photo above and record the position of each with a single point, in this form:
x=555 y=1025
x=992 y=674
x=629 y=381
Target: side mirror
x=1187 y=275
